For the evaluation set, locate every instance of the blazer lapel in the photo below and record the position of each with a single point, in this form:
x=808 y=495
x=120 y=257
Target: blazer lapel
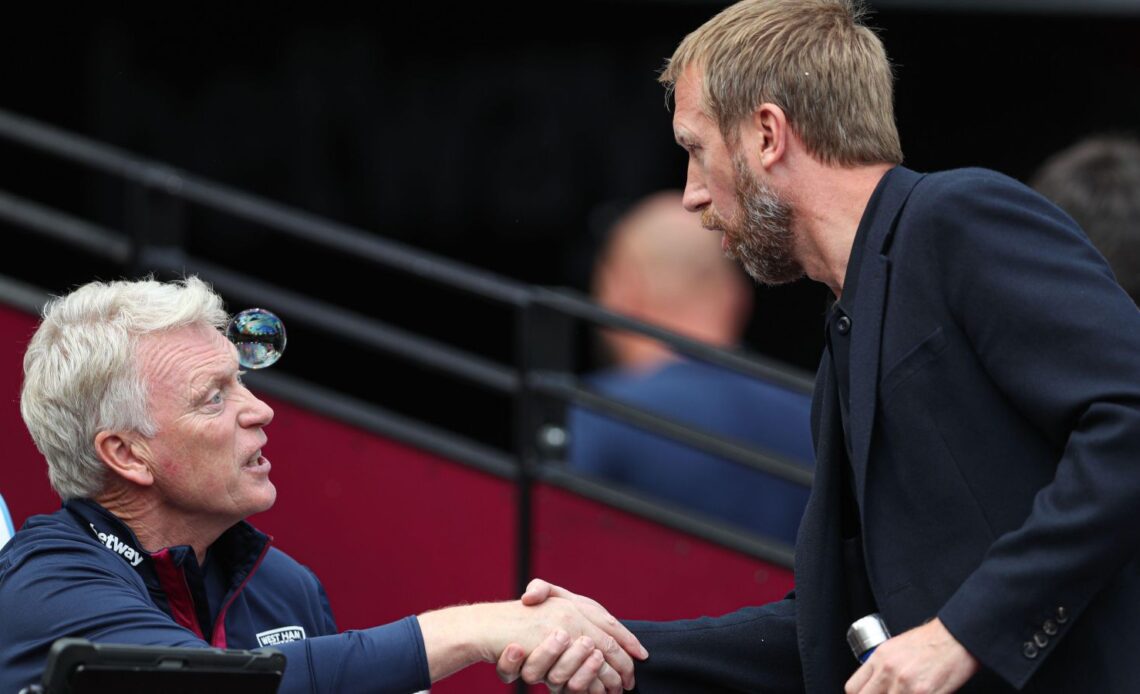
x=870 y=302
x=822 y=612
x=821 y=608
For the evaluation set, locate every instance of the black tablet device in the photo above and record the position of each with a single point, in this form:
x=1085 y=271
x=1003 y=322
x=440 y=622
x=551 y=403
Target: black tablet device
x=77 y=666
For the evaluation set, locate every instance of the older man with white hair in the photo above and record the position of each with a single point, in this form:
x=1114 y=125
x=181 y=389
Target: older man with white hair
x=134 y=397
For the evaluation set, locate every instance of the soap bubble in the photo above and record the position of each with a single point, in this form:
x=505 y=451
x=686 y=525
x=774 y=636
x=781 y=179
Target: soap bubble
x=259 y=337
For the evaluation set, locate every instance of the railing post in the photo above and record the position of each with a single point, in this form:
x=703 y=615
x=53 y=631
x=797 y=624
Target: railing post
x=156 y=224
x=544 y=342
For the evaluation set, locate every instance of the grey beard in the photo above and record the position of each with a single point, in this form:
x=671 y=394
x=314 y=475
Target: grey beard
x=763 y=242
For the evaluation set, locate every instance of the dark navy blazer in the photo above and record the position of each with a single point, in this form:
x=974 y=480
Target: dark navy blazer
x=995 y=426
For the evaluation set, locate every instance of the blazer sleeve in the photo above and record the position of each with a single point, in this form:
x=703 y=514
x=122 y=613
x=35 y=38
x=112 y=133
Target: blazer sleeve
x=1061 y=341
x=753 y=649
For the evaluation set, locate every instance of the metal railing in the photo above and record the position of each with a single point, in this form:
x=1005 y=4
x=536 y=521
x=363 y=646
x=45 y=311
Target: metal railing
x=540 y=381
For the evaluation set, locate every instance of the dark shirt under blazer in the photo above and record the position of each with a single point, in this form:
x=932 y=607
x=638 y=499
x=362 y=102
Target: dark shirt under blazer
x=995 y=439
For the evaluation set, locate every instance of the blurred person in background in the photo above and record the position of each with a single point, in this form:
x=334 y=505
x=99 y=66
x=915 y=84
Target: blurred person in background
x=659 y=266
x=1097 y=181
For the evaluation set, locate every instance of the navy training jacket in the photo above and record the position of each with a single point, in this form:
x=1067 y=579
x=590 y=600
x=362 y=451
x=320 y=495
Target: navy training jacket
x=81 y=572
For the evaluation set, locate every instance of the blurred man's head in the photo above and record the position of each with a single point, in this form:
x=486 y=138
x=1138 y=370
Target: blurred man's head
x=660 y=266
x=1097 y=181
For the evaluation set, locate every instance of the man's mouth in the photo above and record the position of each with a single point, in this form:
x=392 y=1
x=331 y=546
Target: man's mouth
x=256 y=460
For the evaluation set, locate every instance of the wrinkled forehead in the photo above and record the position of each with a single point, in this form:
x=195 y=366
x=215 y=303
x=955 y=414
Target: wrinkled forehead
x=182 y=356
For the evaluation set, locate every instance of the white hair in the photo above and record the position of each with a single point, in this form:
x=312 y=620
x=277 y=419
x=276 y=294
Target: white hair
x=81 y=374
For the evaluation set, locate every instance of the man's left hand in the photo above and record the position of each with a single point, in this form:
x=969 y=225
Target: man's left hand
x=924 y=660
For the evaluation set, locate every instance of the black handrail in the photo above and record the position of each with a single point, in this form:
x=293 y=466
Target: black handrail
x=365 y=330
x=671 y=516
x=297 y=223
x=388 y=338
x=566 y=389
x=752 y=365
x=92 y=238
x=379 y=420
x=361 y=244
x=525 y=381
x=449 y=445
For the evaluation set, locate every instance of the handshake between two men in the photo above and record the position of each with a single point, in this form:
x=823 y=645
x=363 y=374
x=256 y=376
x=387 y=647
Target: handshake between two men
x=553 y=636
x=134 y=395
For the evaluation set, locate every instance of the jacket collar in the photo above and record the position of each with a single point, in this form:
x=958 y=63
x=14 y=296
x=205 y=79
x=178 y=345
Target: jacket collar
x=172 y=575
x=240 y=546
x=892 y=194
x=109 y=531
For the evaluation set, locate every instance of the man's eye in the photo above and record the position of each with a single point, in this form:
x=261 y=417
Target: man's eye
x=216 y=399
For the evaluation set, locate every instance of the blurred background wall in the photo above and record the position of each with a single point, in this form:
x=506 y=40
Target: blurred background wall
x=506 y=136
x=503 y=135
x=506 y=133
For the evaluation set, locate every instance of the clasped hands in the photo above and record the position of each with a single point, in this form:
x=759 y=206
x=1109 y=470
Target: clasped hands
x=551 y=635
x=587 y=650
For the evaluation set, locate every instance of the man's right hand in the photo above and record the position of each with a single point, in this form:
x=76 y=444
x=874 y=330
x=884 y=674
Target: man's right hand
x=550 y=631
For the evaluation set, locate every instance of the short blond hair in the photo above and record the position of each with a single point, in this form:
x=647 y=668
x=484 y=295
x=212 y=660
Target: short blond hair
x=815 y=59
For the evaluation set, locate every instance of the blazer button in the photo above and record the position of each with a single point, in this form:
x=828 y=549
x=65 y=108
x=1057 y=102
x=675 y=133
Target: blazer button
x=1041 y=640
x=1049 y=627
x=1029 y=650
x=1062 y=615
x=843 y=325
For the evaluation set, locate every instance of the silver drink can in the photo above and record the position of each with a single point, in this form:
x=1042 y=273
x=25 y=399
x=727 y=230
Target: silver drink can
x=865 y=634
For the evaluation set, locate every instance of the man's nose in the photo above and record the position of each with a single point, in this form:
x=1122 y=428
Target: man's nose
x=255 y=412
x=696 y=196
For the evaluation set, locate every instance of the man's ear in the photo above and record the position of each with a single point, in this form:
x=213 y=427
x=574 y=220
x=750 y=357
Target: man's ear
x=770 y=132
x=126 y=454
